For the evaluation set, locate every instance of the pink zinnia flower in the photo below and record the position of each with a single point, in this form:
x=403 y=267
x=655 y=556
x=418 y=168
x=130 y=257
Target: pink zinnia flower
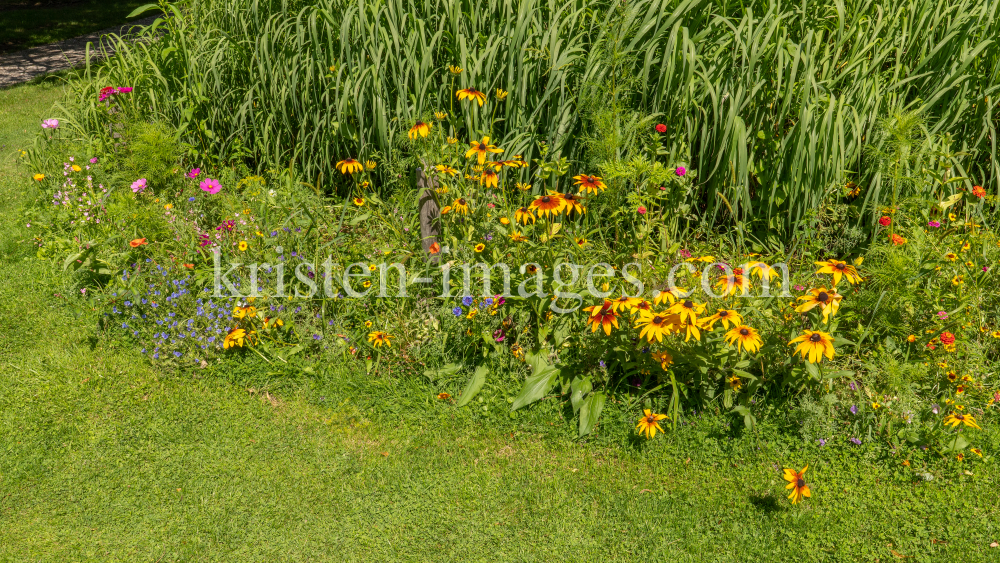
x=211 y=186
x=50 y=124
x=194 y=173
x=139 y=185
x=641 y=210
x=685 y=253
x=105 y=93
x=93 y=160
x=125 y=90
x=680 y=171
x=934 y=224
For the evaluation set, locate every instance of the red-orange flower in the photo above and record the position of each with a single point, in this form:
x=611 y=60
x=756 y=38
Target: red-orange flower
x=978 y=191
x=136 y=243
x=947 y=338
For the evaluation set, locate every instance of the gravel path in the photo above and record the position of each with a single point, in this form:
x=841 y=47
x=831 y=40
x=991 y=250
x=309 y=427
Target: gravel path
x=24 y=65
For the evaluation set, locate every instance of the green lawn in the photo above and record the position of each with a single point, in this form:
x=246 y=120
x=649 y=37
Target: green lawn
x=107 y=459
x=28 y=23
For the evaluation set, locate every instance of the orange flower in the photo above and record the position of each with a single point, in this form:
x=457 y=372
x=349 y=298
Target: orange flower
x=602 y=316
x=796 y=482
x=978 y=191
x=472 y=95
x=589 y=184
x=420 y=129
x=136 y=243
x=546 y=204
x=435 y=248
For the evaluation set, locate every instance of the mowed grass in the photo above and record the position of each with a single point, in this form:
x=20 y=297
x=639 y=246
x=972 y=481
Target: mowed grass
x=105 y=458
x=29 y=23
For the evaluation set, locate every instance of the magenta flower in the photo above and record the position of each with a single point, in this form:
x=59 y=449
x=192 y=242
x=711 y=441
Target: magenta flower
x=194 y=173
x=50 y=124
x=799 y=287
x=125 y=90
x=680 y=171
x=93 y=160
x=139 y=185
x=942 y=315
x=211 y=186
x=934 y=224
x=685 y=253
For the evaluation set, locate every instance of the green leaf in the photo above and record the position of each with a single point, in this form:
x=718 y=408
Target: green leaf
x=437 y=373
x=590 y=412
x=578 y=388
x=538 y=384
x=473 y=386
x=142 y=9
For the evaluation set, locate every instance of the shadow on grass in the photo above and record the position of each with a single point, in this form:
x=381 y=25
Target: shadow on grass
x=767 y=503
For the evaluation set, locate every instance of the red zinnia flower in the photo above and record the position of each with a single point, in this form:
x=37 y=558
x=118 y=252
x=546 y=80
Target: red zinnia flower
x=661 y=128
x=947 y=338
x=885 y=221
x=978 y=191
x=641 y=210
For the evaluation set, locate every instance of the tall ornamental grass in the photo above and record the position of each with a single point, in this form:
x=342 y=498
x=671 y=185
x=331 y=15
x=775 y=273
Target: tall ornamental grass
x=772 y=103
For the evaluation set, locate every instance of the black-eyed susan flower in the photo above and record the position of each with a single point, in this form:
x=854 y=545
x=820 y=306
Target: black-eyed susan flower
x=687 y=310
x=420 y=129
x=956 y=419
x=602 y=316
x=690 y=329
x=445 y=169
x=589 y=184
x=669 y=296
x=735 y=383
x=359 y=201
x=243 y=246
x=839 y=269
x=649 y=423
x=472 y=95
x=797 y=483
x=550 y=203
x=460 y=205
x=571 y=204
x=724 y=316
x=744 y=337
x=663 y=358
x=454 y=69
x=440 y=115
x=482 y=149
x=523 y=215
x=349 y=166
x=379 y=338
x=581 y=241
x=951 y=256
x=451 y=140
x=516 y=236
x=815 y=345
x=732 y=283
x=236 y=338
x=370 y=164
x=977 y=451
x=761 y=269
x=480 y=247
x=489 y=178
x=827 y=299
x=626 y=303
x=655 y=325
x=501 y=94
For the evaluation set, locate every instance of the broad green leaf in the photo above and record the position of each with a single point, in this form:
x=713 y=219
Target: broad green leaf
x=472 y=388
x=590 y=412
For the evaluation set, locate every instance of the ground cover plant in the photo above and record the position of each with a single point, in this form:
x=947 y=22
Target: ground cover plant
x=863 y=329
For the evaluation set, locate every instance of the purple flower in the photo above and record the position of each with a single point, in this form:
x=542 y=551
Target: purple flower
x=93 y=160
x=602 y=363
x=822 y=442
x=139 y=185
x=856 y=441
x=852 y=386
x=191 y=198
x=211 y=186
x=680 y=171
x=467 y=300
x=854 y=409
x=934 y=224
x=194 y=173
x=457 y=311
x=50 y=124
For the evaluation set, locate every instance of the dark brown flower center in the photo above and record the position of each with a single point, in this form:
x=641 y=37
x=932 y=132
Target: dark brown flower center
x=959 y=417
x=744 y=332
x=419 y=124
x=546 y=199
x=689 y=305
x=482 y=147
x=840 y=266
x=822 y=296
x=723 y=314
x=800 y=482
x=657 y=320
x=461 y=201
x=815 y=338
